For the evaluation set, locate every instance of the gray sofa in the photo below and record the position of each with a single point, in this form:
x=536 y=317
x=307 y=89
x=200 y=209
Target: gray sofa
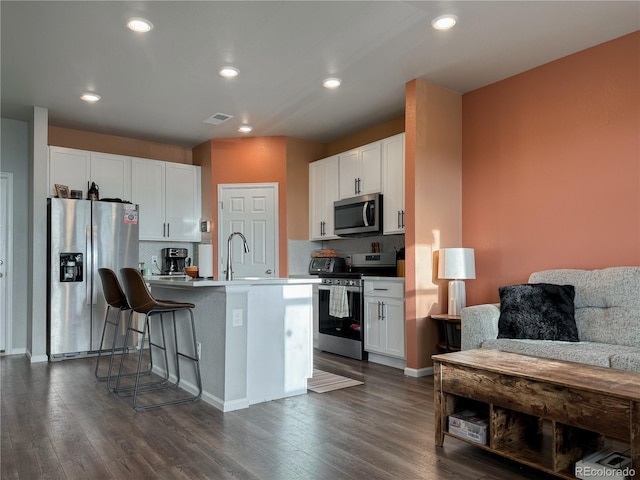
x=607 y=314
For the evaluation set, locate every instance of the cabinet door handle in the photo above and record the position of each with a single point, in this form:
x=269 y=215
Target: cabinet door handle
x=384 y=314
x=168 y=231
x=355 y=186
x=359 y=186
x=380 y=289
x=402 y=218
x=399 y=218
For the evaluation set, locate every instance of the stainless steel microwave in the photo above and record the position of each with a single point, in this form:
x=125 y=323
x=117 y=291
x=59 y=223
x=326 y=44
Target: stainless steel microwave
x=358 y=216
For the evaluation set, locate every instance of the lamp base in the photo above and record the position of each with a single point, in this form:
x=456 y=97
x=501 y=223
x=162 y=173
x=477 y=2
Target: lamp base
x=457 y=297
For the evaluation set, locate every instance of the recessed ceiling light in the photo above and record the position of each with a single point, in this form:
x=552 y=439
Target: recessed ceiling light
x=245 y=128
x=331 y=83
x=444 y=22
x=229 y=72
x=138 y=24
x=90 y=97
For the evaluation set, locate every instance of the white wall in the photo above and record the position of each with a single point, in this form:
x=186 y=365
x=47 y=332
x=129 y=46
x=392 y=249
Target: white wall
x=14 y=158
x=37 y=300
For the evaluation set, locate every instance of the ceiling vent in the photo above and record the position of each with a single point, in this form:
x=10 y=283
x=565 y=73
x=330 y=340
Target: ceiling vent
x=218 y=118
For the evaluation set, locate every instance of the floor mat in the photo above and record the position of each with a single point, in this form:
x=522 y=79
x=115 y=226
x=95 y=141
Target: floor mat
x=323 y=382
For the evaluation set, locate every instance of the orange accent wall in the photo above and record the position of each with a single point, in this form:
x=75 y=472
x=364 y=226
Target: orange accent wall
x=551 y=168
x=100 y=142
x=281 y=160
x=251 y=160
x=299 y=154
x=368 y=135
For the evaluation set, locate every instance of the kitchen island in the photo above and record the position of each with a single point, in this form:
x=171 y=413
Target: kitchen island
x=255 y=335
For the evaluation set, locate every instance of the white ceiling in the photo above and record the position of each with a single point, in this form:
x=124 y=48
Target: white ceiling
x=162 y=85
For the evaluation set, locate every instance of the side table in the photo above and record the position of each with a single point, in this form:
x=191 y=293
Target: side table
x=451 y=331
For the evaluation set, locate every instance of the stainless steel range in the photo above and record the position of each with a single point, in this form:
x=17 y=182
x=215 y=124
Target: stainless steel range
x=341 y=327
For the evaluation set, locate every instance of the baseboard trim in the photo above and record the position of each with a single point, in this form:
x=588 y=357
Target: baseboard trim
x=36 y=358
x=418 y=372
x=393 y=362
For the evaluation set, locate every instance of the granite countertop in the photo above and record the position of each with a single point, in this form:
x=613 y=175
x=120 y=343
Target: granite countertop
x=386 y=279
x=188 y=282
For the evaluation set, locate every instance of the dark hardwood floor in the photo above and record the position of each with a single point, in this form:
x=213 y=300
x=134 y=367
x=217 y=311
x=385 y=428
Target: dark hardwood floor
x=58 y=422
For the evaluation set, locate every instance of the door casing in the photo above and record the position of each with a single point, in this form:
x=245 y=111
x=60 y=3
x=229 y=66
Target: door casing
x=6 y=255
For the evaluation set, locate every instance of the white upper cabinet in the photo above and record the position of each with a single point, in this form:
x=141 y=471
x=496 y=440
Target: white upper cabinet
x=69 y=167
x=372 y=168
x=78 y=168
x=182 y=201
x=148 y=178
x=361 y=170
x=323 y=191
x=112 y=174
x=169 y=198
x=393 y=183
x=168 y=193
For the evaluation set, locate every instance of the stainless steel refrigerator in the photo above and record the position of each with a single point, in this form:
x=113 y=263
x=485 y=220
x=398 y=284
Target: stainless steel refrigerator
x=85 y=235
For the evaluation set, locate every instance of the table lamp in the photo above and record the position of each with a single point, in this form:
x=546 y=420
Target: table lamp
x=456 y=265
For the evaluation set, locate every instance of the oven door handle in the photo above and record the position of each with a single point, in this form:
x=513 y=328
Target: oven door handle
x=328 y=287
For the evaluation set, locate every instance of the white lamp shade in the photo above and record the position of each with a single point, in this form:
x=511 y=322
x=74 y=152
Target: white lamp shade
x=456 y=263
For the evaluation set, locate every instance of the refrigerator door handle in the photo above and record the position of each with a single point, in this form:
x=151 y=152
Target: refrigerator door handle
x=87 y=278
x=94 y=268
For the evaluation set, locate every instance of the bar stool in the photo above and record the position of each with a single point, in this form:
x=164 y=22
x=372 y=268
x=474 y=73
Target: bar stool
x=141 y=301
x=116 y=299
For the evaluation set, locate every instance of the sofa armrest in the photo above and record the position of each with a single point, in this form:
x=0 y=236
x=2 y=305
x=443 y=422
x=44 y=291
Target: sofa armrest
x=479 y=323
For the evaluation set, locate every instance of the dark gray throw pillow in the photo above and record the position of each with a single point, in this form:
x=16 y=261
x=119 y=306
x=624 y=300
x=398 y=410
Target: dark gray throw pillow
x=537 y=311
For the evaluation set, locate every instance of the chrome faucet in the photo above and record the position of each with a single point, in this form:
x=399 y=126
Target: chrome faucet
x=246 y=250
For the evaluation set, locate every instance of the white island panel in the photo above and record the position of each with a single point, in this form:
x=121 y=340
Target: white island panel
x=280 y=341
x=256 y=337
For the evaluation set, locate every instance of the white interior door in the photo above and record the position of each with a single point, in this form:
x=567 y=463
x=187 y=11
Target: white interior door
x=251 y=209
x=6 y=249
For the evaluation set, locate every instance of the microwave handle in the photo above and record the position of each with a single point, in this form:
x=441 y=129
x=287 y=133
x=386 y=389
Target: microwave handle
x=365 y=218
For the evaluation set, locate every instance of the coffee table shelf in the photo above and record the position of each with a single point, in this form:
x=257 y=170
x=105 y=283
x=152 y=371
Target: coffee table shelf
x=543 y=413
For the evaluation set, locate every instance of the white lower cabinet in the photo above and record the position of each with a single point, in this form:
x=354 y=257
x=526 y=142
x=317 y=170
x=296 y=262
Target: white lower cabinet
x=384 y=317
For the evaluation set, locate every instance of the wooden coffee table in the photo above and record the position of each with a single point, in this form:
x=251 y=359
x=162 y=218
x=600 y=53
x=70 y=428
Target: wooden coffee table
x=544 y=413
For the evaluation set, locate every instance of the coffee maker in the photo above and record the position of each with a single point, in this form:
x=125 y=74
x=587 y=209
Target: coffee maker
x=173 y=260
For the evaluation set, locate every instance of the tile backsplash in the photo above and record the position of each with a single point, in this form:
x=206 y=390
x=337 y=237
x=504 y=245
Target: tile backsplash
x=299 y=251
x=148 y=249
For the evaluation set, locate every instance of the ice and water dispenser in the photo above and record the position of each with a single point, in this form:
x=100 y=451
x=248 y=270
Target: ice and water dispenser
x=71 y=267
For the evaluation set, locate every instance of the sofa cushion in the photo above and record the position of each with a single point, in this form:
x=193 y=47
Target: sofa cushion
x=539 y=311
x=627 y=361
x=607 y=302
x=590 y=353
